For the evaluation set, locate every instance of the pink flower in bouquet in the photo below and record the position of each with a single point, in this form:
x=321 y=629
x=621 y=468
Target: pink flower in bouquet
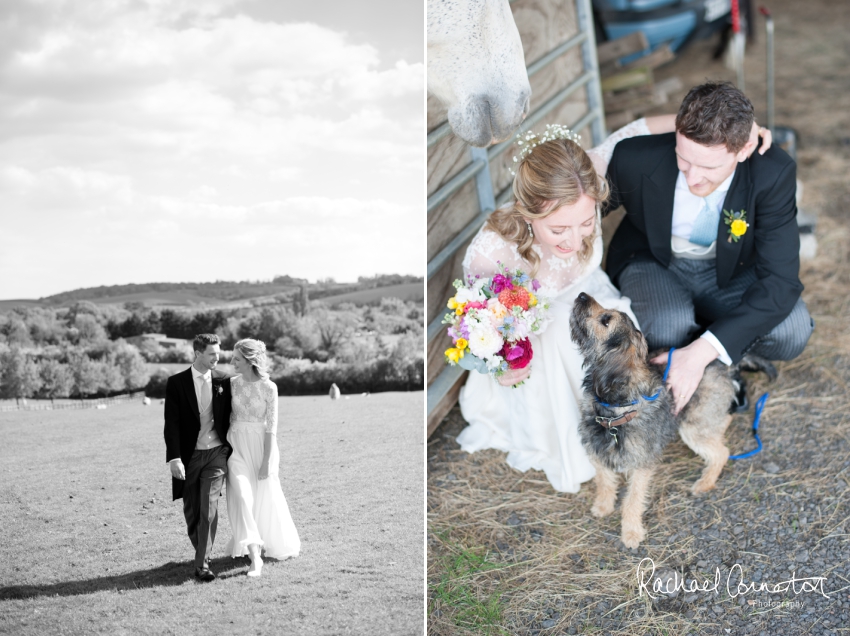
x=475 y=304
x=500 y=283
x=516 y=297
x=497 y=311
x=518 y=354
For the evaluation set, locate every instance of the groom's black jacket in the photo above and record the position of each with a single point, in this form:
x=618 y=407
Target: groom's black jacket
x=183 y=423
x=643 y=174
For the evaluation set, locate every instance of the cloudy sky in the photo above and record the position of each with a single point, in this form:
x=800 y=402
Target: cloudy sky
x=195 y=140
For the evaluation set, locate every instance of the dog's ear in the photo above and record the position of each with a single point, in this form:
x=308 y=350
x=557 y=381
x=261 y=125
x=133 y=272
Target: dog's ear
x=615 y=342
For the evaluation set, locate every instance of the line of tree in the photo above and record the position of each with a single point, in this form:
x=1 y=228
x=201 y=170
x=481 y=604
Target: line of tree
x=41 y=348
x=116 y=368
x=173 y=323
x=318 y=333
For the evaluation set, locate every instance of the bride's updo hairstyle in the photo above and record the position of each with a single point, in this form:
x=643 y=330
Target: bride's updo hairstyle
x=254 y=351
x=550 y=175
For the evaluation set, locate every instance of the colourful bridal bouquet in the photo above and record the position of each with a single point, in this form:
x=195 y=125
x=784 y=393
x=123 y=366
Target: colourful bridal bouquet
x=492 y=320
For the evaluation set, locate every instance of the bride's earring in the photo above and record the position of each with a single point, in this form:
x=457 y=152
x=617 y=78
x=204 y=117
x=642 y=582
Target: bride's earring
x=530 y=231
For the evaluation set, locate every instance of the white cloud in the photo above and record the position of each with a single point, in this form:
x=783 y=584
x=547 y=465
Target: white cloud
x=63 y=187
x=164 y=120
x=287 y=173
x=402 y=79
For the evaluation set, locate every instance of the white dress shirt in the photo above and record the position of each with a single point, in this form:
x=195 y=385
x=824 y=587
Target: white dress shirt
x=686 y=208
x=207 y=438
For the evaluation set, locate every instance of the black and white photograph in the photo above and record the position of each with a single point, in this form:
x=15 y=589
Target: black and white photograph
x=637 y=360
x=212 y=317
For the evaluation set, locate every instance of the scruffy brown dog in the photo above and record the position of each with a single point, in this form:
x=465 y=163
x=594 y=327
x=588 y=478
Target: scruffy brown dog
x=627 y=416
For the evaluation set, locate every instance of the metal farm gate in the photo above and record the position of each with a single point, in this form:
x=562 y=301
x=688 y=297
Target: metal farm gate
x=466 y=184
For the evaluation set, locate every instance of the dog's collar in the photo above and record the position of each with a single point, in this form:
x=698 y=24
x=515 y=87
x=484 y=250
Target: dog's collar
x=648 y=398
x=609 y=422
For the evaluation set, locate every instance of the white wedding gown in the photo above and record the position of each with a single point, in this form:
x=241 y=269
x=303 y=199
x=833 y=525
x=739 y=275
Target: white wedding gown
x=537 y=422
x=257 y=508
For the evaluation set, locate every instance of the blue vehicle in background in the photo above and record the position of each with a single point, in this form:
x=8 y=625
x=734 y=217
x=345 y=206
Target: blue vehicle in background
x=673 y=22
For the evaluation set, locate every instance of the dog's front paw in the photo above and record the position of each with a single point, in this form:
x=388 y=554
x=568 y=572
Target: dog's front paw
x=703 y=485
x=602 y=508
x=632 y=537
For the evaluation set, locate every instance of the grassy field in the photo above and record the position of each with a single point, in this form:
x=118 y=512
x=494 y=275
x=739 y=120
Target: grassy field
x=406 y=291
x=163 y=299
x=94 y=543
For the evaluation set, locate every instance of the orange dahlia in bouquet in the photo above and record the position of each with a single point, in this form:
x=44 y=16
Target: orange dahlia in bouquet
x=492 y=320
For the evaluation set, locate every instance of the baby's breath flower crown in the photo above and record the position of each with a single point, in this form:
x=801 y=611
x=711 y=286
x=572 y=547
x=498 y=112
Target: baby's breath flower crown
x=530 y=140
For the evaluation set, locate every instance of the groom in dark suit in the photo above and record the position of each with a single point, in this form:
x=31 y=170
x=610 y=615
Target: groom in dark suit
x=197 y=416
x=709 y=248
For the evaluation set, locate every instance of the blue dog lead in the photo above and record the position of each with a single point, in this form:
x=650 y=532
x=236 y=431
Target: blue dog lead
x=613 y=431
x=649 y=398
x=756 y=417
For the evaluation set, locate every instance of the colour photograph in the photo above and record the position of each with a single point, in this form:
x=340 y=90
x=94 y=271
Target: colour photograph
x=637 y=363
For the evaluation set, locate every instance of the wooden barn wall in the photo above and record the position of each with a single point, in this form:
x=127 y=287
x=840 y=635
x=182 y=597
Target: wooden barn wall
x=543 y=25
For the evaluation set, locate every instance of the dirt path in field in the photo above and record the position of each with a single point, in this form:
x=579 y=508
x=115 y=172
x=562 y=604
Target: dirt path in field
x=507 y=554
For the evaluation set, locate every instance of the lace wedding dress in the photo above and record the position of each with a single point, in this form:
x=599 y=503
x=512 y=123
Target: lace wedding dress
x=257 y=508
x=537 y=422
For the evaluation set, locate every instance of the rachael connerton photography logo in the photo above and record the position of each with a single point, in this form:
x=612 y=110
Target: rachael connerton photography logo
x=736 y=584
x=783 y=604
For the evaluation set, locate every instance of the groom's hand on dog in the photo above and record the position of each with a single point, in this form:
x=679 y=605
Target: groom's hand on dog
x=686 y=370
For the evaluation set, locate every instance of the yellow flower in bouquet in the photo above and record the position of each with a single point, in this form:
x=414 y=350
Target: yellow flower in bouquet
x=454 y=354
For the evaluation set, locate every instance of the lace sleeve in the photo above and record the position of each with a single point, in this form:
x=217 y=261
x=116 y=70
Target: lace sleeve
x=601 y=155
x=271 y=407
x=485 y=254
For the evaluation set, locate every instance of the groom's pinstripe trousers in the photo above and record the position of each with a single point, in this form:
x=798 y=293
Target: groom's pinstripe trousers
x=667 y=300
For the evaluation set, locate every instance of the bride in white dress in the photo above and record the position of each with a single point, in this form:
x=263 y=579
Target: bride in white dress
x=551 y=232
x=259 y=515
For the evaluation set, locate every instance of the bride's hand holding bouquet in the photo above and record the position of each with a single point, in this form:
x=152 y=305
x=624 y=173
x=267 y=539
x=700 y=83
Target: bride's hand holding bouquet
x=491 y=324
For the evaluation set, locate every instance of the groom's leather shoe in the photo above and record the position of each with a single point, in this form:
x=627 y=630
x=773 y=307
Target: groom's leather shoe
x=204 y=574
x=754 y=363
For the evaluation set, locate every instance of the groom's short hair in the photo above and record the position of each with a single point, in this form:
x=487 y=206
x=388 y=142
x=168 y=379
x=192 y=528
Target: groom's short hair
x=203 y=340
x=716 y=114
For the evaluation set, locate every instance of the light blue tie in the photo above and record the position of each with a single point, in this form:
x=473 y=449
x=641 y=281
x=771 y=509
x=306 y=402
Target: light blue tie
x=705 y=226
